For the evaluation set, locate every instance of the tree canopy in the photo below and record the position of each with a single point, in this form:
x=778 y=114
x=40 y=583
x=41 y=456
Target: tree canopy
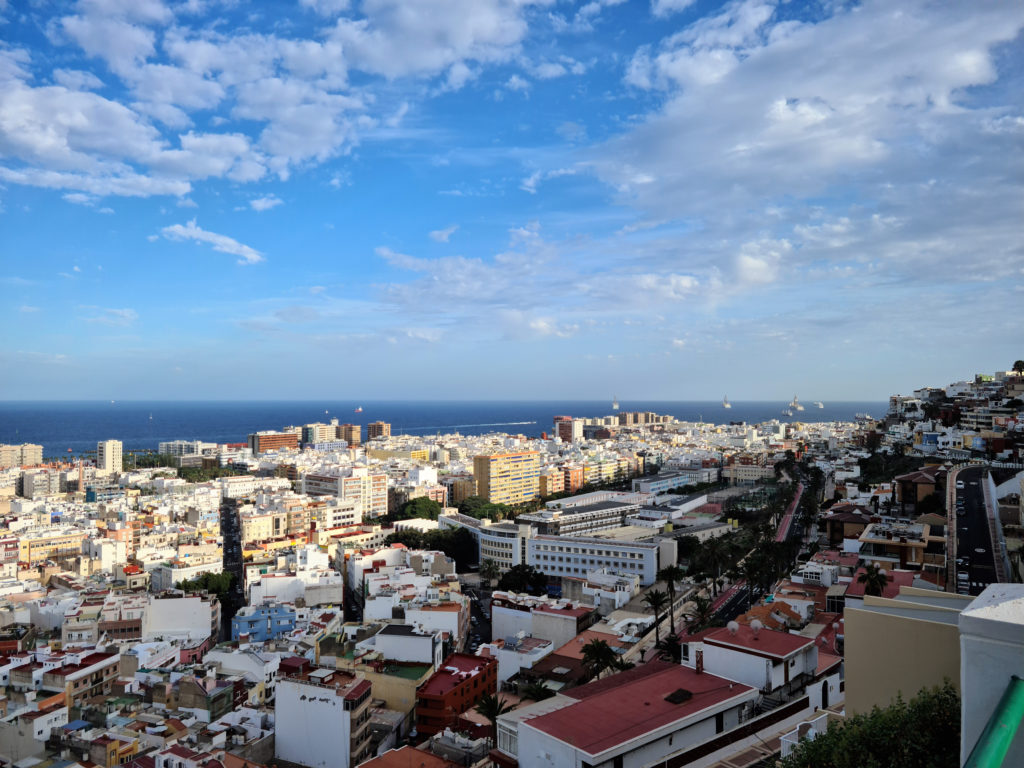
x=217 y=583
x=421 y=507
x=524 y=578
x=480 y=508
x=922 y=732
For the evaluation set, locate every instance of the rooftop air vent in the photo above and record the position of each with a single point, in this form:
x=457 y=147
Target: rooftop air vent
x=679 y=696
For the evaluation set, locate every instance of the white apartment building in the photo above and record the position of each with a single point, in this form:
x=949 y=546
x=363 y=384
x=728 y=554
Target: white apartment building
x=576 y=556
x=108 y=456
x=503 y=542
x=321 y=721
x=369 y=488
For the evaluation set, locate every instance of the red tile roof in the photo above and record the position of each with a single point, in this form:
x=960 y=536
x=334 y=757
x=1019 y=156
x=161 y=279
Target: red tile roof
x=625 y=707
x=766 y=642
x=897 y=579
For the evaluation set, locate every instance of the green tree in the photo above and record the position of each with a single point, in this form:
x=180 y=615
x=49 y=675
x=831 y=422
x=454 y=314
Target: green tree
x=489 y=570
x=874 y=580
x=670 y=574
x=598 y=656
x=921 y=733
x=524 y=578
x=701 y=615
x=536 y=691
x=656 y=600
x=492 y=707
x=671 y=649
x=421 y=507
x=215 y=583
x=1018 y=366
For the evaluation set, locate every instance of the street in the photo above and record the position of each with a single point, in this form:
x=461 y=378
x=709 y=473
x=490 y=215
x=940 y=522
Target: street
x=974 y=544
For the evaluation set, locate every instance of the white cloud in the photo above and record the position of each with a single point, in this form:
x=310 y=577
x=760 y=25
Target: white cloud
x=516 y=83
x=265 y=203
x=221 y=243
x=116 y=317
x=396 y=38
x=531 y=182
x=443 y=235
x=668 y=7
x=326 y=7
x=77 y=80
x=27 y=308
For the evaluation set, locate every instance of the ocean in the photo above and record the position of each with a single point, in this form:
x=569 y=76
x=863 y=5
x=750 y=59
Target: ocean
x=141 y=425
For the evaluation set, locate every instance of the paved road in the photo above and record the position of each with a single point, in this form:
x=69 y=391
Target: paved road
x=787 y=519
x=973 y=540
x=232 y=537
x=732 y=602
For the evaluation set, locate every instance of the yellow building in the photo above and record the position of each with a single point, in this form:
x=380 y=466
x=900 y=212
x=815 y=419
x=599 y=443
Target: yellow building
x=39 y=546
x=508 y=478
x=412 y=454
x=900 y=646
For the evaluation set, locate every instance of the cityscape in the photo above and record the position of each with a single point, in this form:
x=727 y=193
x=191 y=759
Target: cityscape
x=622 y=588
x=511 y=384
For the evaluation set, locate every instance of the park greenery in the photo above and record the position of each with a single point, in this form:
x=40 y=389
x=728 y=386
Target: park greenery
x=215 y=583
x=524 y=578
x=922 y=732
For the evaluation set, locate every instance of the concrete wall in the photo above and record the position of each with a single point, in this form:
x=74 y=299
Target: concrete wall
x=889 y=654
x=178 y=617
x=311 y=726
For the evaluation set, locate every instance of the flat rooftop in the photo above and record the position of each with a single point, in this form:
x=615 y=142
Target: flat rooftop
x=628 y=705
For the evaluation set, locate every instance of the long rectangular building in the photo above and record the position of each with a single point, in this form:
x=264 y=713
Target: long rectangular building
x=576 y=556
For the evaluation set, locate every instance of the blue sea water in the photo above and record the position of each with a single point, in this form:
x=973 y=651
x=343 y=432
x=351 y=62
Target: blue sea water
x=58 y=426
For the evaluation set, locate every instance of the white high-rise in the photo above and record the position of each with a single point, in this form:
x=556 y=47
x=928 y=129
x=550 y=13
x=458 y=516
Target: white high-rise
x=108 y=456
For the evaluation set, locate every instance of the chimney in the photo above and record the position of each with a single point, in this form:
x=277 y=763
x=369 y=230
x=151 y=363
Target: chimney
x=699 y=662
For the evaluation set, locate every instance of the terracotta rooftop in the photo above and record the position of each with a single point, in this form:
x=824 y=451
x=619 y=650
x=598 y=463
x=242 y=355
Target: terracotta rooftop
x=626 y=706
x=766 y=642
x=897 y=579
x=456 y=669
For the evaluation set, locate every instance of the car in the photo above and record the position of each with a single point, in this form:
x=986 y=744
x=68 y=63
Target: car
x=962 y=577
x=474 y=620
x=960 y=484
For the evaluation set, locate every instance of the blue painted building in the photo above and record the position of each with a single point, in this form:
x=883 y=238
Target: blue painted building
x=263 y=622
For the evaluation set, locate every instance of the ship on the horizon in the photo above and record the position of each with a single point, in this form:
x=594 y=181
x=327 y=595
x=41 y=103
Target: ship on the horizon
x=615 y=402
x=726 y=403
x=359 y=409
x=819 y=404
x=787 y=411
x=795 y=405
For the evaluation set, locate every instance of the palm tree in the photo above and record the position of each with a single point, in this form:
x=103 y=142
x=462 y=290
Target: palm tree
x=671 y=649
x=701 y=614
x=599 y=656
x=656 y=600
x=1018 y=366
x=489 y=570
x=716 y=553
x=670 y=574
x=536 y=691
x=492 y=707
x=874 y=580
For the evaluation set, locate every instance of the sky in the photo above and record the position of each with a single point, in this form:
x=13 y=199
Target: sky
x=522 y=199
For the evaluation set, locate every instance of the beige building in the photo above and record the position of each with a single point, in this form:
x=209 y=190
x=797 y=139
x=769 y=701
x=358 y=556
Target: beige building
x=900 y=646
x=351 y=434
x=508 y=478
x=108 y=456
x=24 y=455
x=378 y=429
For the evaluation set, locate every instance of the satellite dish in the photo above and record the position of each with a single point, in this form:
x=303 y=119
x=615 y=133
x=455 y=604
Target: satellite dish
x=733 y=627
x=756 y=626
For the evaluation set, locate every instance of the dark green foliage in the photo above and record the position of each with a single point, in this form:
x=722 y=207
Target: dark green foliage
x=421 y=507
x=201 y=475
x=217 y=583
x=524 y=578
x=881 y=467
x=921 y=733
x=598 y=656
x=671 y=649
x=480 y=508
x=492 y=707
x=489 y=570
x=536 y=691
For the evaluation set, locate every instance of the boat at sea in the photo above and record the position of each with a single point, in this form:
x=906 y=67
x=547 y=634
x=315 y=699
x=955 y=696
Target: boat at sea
x=615 y=402
x=726 y=403
x=795 y=405
x=863 y=417
x=819 y=404
x=359 y=409
x=787 y=411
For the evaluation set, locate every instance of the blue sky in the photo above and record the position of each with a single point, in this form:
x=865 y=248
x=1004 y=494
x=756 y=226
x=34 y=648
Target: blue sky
x=508 y=199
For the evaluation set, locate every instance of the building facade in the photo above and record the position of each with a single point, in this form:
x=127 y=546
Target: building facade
x=508 y=478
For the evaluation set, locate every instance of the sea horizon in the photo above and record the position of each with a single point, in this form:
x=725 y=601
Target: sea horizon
x=60 y=425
